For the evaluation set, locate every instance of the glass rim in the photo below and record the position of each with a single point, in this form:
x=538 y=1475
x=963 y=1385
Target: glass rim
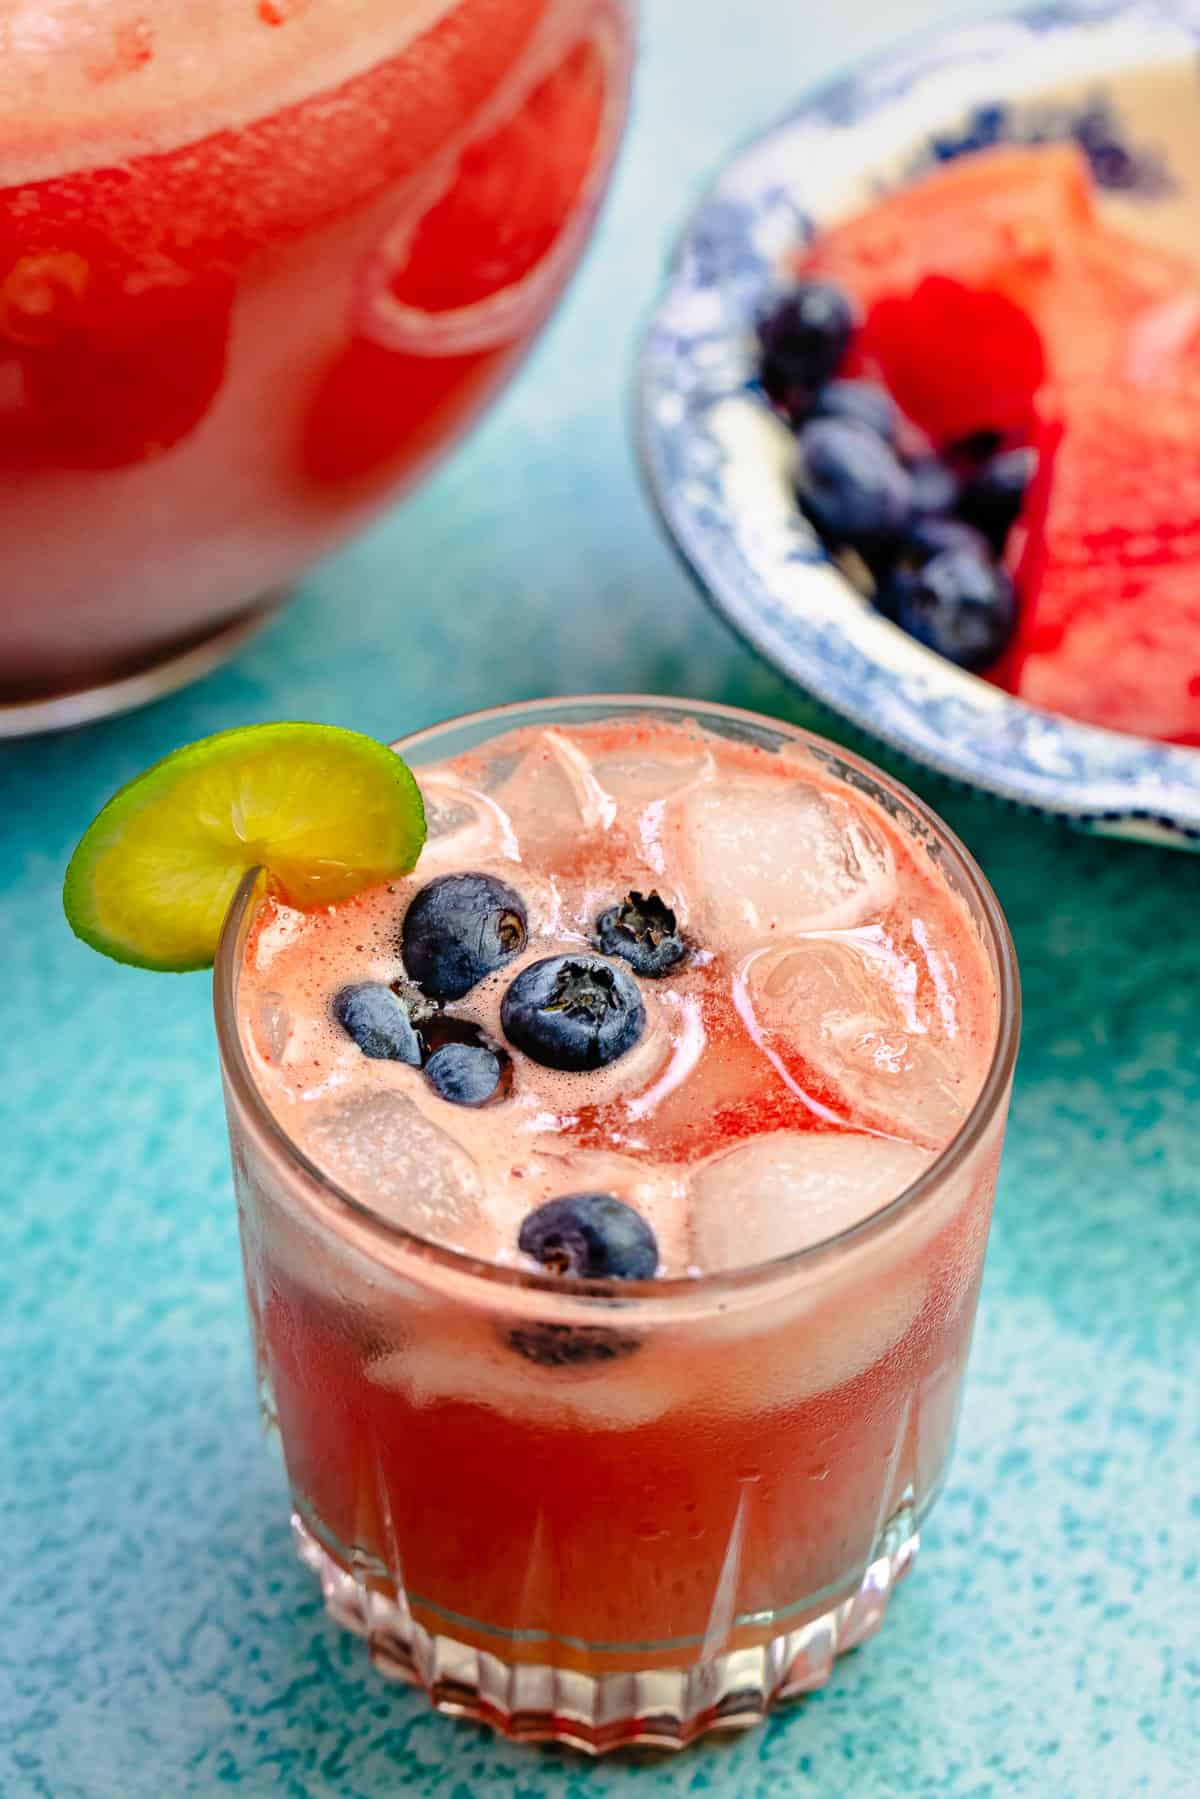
x=991 y=1096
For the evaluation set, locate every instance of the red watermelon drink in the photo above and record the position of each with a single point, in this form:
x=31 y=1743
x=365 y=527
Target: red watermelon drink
x=259 y=264
x=614 y=1191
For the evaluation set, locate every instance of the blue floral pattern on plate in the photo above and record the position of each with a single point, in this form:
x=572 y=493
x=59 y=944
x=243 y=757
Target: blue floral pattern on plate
x=716 y=458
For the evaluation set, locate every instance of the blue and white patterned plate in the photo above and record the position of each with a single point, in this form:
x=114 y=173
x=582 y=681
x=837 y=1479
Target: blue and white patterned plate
x=1122 y=80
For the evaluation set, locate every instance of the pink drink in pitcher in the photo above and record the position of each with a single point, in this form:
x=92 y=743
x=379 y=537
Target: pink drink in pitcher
x=260 y=260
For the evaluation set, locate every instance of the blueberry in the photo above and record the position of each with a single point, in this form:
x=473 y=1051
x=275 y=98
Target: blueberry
x=936 y=488
x=895 y=589
x=379 y=1022
x=928 y=537
x=569 y=1345
x=852 y=485
x=458 y=929
x=959 y=605
x=859 y=403
x=804 y=341
x=466 y=1074
x=643 y=931
x=978 y=447
x=993 y=499
x=573 y=1012
x=590 y=1236
x=462 y=1064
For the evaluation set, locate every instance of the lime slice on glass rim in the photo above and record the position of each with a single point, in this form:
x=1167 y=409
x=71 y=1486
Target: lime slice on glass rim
x=324 y=811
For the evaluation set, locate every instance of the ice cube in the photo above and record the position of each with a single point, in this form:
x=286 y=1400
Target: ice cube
x=444 y=814
x=776 y=1194
x=642 y=789
x=788 y=1190
x=386 y=1153
x=553 y=796
x=635 y=781
x=615 y=1395
x=851 y=1008
x=272 y=1025
x=466 y=826
x=767 y=857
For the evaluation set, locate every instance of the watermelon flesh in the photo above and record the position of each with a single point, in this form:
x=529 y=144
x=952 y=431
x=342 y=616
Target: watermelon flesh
x=994 y=295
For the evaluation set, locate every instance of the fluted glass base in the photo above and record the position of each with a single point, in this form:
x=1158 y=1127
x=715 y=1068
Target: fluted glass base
x=664 y=1708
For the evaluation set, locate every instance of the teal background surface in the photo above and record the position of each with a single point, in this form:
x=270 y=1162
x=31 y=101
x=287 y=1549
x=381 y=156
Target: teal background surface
x=157 y=1637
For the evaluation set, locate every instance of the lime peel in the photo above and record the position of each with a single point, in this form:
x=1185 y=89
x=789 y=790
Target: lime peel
x=325 y=811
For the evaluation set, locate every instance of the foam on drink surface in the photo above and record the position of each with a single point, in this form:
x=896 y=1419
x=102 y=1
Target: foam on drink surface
x=89 y=82
x=824 y=1038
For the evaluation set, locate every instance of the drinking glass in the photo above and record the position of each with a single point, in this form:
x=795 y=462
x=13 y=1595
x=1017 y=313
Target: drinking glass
x=697 y=1492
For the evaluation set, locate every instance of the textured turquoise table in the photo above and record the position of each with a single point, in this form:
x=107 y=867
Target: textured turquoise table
x=158 y=1642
